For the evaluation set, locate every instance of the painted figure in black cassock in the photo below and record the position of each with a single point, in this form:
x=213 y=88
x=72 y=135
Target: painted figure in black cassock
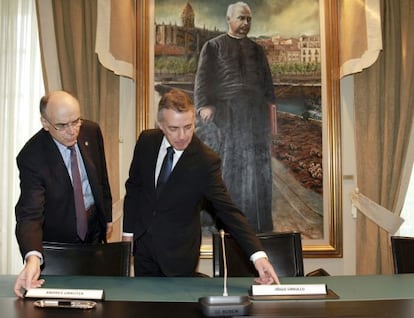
x=233 y=94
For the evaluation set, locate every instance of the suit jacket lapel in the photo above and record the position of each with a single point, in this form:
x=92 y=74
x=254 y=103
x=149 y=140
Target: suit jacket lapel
x=55 y=161
x=153 y=156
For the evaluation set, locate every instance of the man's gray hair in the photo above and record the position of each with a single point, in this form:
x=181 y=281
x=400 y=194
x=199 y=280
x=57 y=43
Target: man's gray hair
x=231 y=7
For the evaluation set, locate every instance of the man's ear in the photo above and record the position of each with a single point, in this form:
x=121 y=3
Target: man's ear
x=161 y=126
x=44 y=123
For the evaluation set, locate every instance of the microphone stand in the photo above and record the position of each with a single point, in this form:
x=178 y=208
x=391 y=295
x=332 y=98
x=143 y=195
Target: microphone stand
x=223 y=247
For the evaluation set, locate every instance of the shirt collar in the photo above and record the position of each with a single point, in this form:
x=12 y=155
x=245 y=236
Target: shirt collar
x=165 y=144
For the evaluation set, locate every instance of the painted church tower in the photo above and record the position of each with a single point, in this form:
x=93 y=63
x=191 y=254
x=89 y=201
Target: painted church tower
x=187 y=16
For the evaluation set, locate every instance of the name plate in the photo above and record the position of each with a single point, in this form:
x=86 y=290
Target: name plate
x=60 y=293
x=289 y=289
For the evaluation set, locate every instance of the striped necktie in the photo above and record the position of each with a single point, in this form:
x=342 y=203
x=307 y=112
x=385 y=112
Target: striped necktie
x=81 y=218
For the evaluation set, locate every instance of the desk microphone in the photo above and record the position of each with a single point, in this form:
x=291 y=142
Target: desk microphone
x=225 y=305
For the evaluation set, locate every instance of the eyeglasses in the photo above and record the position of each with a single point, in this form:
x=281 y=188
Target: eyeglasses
x=59 y=127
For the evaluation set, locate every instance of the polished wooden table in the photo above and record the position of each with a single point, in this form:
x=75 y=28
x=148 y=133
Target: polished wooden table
x=359 y=296
x=403 y=308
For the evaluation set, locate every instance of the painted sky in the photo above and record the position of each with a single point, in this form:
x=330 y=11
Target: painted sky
x=287 y=18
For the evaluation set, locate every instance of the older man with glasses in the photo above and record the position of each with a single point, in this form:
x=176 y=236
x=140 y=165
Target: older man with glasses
x=65 y=194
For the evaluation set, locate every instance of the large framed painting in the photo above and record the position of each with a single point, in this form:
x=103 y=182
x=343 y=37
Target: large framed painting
x=299 y=127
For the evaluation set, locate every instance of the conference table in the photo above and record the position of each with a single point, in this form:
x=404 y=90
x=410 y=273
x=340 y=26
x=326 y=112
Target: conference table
x=357 y=296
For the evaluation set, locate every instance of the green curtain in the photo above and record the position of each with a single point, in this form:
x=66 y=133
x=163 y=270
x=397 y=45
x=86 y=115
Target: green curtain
x=383 y=118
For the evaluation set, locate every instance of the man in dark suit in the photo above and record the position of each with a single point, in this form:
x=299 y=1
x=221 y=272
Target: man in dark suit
x=46 y=209
x=165 y=223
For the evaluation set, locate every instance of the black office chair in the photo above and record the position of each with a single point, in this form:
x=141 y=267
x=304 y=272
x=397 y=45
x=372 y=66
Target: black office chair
x=403 y=254
x=111 y=259
x=283 y=249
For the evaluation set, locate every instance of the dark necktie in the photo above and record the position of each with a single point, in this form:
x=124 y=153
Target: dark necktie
x=81 y=219
x=165 y=168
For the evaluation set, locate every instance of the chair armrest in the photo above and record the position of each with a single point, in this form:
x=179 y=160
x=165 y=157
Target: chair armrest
x=318 y=272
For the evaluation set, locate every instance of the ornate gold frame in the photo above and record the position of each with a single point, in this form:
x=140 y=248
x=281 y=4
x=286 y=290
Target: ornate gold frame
x=332 y=246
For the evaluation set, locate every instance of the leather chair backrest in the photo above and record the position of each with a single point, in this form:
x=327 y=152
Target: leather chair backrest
x=283 y=249
x=110 y=259
x=403 y=254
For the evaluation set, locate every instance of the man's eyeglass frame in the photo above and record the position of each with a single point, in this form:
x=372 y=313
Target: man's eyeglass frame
x=60 y=127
